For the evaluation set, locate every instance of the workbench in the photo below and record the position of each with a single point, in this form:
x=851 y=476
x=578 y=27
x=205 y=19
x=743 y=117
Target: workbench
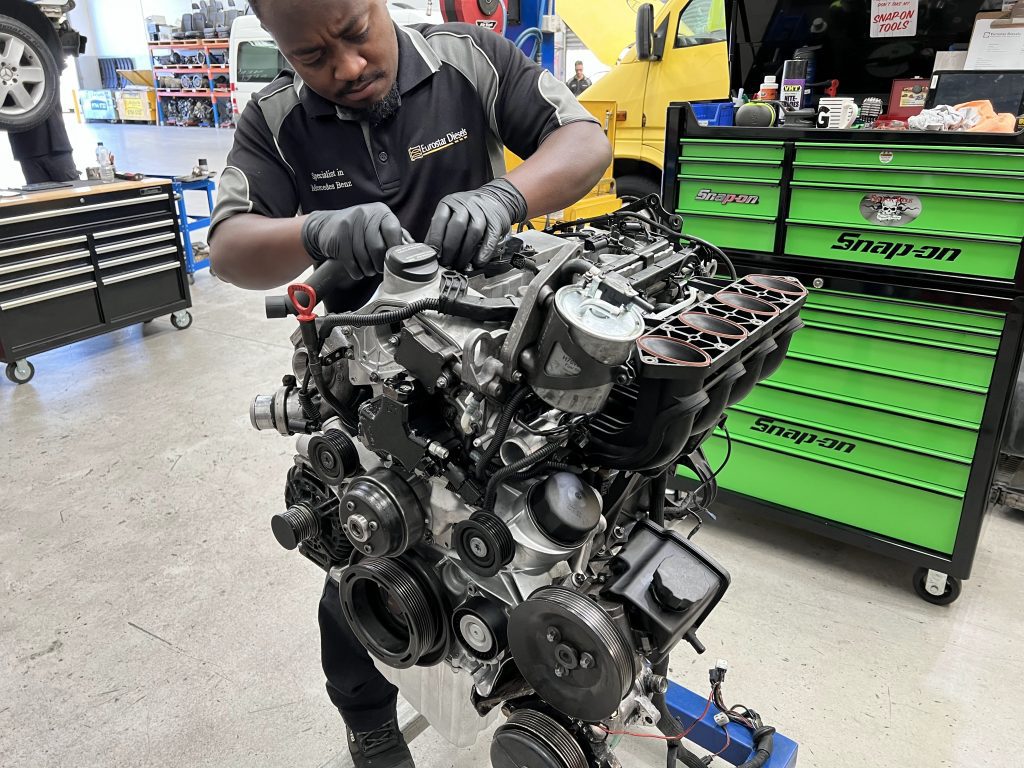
x=84 y=260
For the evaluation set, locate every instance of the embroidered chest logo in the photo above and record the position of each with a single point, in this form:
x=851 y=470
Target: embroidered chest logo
x=419 y=151
x=328 y=180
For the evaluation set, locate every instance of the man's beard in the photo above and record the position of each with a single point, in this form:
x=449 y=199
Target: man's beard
x=383 y=110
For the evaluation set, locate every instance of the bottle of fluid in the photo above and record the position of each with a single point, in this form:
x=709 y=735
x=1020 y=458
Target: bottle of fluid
x=769 y=89
x=105 y=160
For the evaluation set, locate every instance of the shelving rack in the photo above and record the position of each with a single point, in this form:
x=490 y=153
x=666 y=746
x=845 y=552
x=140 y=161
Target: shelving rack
x=219 y=98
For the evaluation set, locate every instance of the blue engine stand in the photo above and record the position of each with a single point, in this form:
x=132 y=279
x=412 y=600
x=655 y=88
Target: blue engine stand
x=686 y=706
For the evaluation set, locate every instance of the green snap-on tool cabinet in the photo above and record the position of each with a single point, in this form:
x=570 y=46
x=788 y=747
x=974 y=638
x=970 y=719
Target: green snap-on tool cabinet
x=882 y=427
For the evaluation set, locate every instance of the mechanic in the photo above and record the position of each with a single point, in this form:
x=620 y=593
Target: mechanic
x=579 y=82
x=378 y=128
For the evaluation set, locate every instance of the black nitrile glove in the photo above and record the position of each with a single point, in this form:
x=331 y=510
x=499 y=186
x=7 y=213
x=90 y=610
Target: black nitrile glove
x=358 y=237
x=468 y=226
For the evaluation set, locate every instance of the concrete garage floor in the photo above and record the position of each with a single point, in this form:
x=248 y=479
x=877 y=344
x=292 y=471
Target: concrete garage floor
x=148 y=617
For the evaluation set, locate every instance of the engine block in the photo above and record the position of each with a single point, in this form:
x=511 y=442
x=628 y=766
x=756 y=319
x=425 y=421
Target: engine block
x=482 y=462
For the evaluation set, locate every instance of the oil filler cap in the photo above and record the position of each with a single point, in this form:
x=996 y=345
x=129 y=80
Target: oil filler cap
x=565 y=508
x=414 y=262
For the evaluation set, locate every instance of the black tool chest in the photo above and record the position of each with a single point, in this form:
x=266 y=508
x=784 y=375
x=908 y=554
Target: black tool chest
x=83 y=261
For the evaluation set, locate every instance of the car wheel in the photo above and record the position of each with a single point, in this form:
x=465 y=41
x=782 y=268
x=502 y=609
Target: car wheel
x=29 y=77
x=632 y=187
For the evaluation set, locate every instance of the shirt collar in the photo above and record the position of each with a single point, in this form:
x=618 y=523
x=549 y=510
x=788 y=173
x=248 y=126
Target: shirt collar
x=416 y=62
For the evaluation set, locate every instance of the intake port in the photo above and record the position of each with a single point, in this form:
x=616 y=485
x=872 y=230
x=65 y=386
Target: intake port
x=751 y=304
x=669 y=350
x=713 y=326
x=777 y=284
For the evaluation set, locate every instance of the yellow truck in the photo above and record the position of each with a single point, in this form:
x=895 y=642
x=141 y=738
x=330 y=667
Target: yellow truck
x=693 y=50
x=679 y=53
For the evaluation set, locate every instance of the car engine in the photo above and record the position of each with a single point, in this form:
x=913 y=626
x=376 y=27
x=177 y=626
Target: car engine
x=482 y=463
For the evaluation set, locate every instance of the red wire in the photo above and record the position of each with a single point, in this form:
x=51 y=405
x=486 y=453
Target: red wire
x=678 y=737
x=728 y=741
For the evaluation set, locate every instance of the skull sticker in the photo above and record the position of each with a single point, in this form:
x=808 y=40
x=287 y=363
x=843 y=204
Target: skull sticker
x=890 y=209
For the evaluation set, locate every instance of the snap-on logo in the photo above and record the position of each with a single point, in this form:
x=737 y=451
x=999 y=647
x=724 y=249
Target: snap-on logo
x=727 y=198
x=892 y=249
x=487 y=23
x=800 y=435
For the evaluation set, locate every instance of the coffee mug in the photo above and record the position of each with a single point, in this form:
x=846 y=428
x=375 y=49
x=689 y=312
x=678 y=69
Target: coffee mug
x=837 y=113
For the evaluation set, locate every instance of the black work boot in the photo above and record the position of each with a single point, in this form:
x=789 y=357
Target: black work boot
x=383 y=747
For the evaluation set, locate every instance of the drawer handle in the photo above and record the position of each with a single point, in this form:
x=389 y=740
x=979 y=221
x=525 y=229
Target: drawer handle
x=47 y=277
x=138 y=257
x=40 y=246
x=124 y=244
x=83 y=209
x=56 y=293
x=46 y=261
x=136 y=228
x=141 y=273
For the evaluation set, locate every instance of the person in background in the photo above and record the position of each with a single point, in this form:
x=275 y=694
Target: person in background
x=579 y=82
x=45 y=151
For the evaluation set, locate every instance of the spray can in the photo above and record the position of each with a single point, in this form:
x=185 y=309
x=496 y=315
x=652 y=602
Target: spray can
x=794 y=79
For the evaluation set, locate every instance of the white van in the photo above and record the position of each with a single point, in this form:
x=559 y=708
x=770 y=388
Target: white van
x=255 y=61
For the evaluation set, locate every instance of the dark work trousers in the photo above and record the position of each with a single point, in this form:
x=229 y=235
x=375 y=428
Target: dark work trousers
x=356 y=687
x=56 y=167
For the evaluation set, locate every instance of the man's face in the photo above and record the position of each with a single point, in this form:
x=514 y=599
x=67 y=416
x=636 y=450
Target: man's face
x=345 y=50
x=579 y=71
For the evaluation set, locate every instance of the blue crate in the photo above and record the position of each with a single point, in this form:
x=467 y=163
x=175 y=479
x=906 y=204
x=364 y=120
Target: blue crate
x=714 y=113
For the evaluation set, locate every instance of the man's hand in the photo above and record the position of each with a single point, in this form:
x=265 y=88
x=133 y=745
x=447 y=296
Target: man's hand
x=358 y=237
x=468 y=226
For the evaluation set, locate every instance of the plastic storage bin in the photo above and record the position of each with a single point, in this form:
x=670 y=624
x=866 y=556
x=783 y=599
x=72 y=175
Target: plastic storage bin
x=714 y=113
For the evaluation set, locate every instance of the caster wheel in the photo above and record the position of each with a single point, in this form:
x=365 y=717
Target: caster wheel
x=181 y=320
x=948 y=595
x=21 y=372
x=191 y=279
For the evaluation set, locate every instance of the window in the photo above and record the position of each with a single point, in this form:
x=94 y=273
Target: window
x=700 y=23
x=259 y=61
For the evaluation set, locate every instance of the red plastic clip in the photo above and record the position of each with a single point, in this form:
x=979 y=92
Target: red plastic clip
x=299 y=291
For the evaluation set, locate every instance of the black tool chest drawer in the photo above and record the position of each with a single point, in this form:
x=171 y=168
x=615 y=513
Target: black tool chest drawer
x=79 y=262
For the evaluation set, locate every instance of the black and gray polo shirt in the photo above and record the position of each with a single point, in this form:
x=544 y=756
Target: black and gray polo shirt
x=466 y=93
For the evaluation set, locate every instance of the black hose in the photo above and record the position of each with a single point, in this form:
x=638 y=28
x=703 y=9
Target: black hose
x=515 y=467
x=764 y=742
x=348 y=417
x=668 y=724
x=508 y=413
x=657 y=489
x=389 y=317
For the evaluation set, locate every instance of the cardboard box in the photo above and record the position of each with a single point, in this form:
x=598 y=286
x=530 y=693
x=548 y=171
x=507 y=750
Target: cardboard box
x=97 y=105
x=137 y=105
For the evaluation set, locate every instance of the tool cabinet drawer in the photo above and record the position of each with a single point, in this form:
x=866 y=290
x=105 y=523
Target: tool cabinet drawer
x=857 y=419
x=741 y=233
x=883 y=503
x=713 y=149
x=899 y=178
x=731 y=170
x=137 y=287
x=737 y=198
x=131 y=235
x=947 y=328
x=852 y=451
x=48 y=311
x=916 y=358
x=900 y=157
x=904 y=250
x=82 y=214
x=906 y=393
x=910 y=211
